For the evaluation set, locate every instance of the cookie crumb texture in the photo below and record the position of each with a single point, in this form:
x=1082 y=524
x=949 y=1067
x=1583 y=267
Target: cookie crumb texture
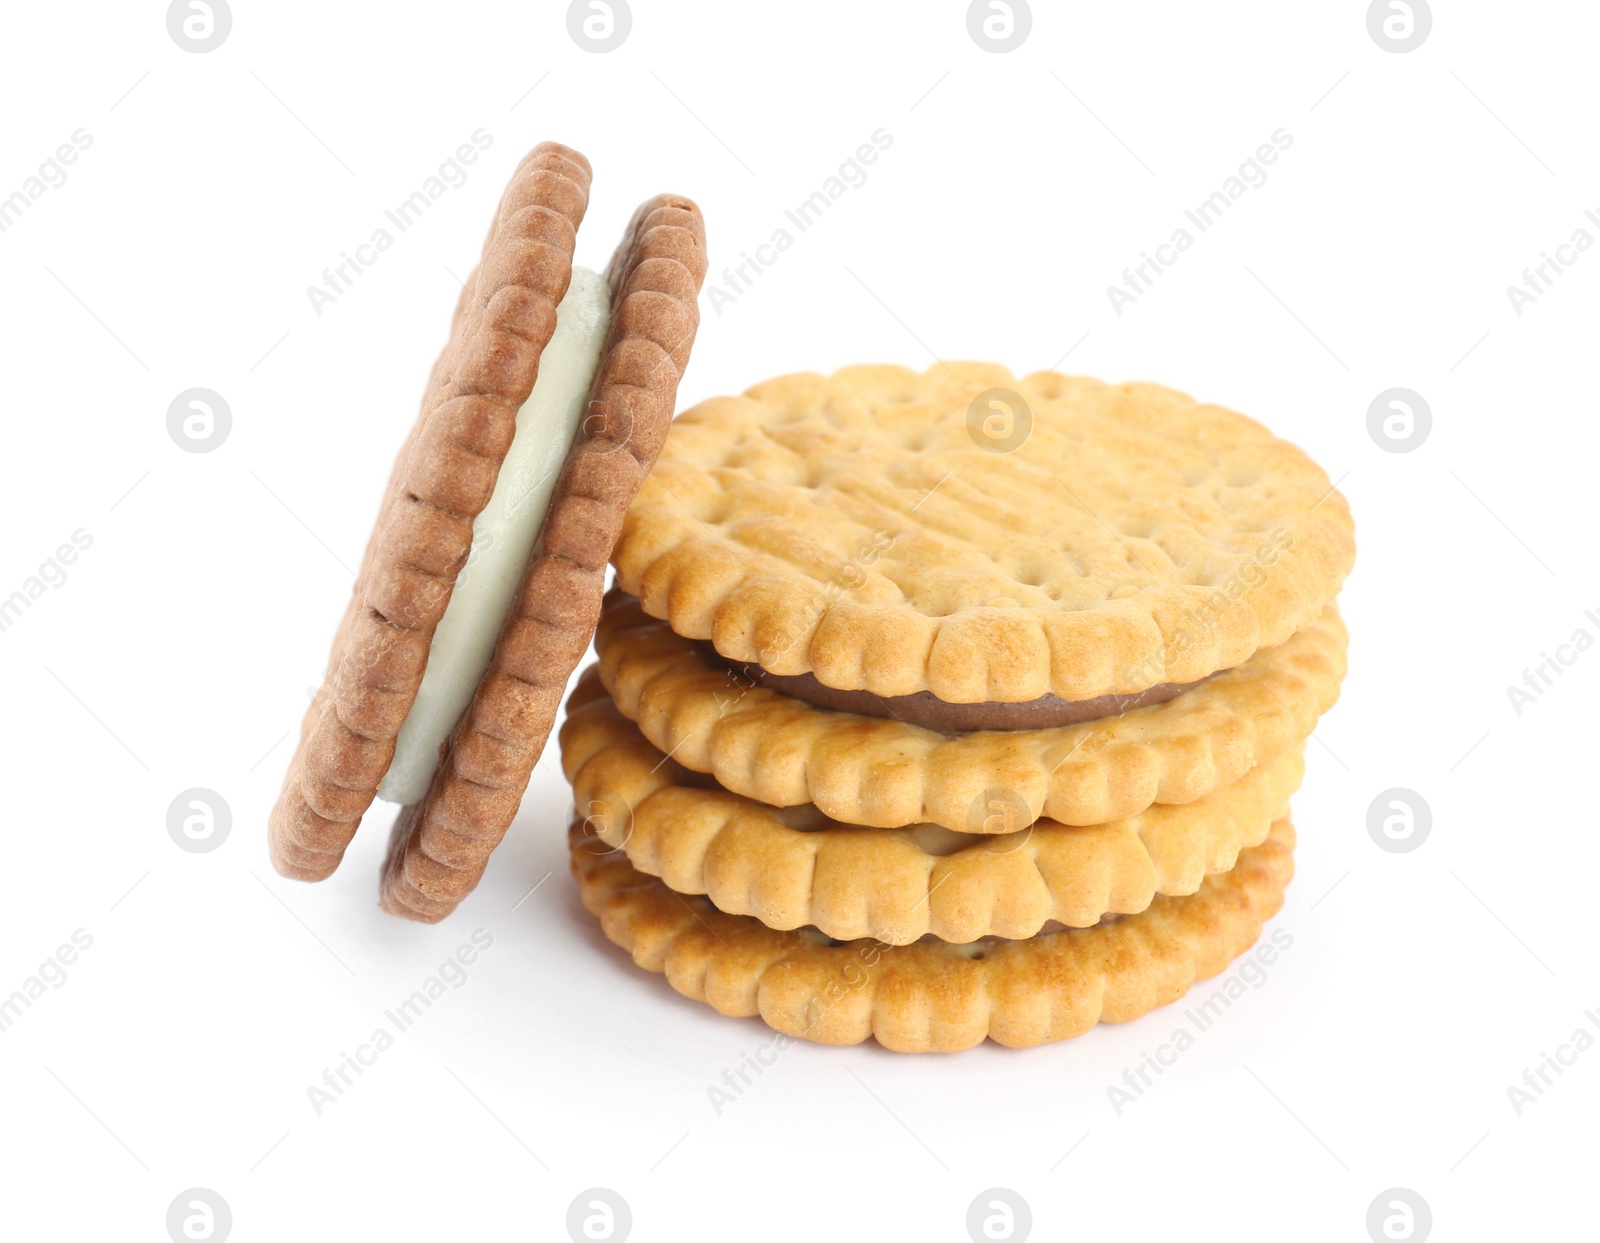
x=862 y=527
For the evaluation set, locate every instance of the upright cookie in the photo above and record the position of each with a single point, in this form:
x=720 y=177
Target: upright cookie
x=433 y=728
x=439 y=847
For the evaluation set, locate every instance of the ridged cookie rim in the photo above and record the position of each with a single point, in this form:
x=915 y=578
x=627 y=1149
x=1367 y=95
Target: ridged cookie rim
x=884 y=774
x=851 y=882
x=931 y=996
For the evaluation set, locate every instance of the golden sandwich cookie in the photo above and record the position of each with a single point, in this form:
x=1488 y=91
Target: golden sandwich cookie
x=718 y=718
x=933 y=996
x=980 y=537
x=794 y=867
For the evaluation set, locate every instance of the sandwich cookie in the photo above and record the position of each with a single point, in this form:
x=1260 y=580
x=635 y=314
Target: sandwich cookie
x=934 y=996
x=714 y=717
x=794 y=867
x=482 y=582
x=982 y=539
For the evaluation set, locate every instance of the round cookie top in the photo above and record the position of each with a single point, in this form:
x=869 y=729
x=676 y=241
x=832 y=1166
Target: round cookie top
x=981 y=537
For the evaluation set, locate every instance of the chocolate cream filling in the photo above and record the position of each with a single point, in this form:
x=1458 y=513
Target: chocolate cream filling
x=930 y=712
x=974 y=949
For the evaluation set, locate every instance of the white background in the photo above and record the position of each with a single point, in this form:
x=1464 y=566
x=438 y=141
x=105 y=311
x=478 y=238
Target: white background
x=178 y=652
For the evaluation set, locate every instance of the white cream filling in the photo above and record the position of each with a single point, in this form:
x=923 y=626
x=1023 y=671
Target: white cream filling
x=502 y=537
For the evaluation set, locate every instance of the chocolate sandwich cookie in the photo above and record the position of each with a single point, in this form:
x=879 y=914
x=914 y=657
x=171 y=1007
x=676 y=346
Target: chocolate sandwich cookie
x=482 y=581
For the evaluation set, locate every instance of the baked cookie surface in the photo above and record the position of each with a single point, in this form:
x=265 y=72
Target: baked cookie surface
x=933 y=996
x=881 y=773
x=980 y=536
x=795 y=868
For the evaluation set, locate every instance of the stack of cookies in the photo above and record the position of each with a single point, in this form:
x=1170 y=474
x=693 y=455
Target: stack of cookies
x=942 y=707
